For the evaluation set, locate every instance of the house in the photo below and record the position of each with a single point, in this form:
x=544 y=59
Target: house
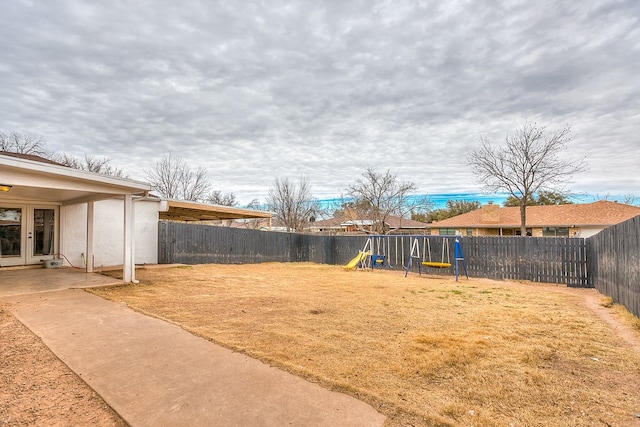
x=574 y=220
x=349 y=224
x=88 y=220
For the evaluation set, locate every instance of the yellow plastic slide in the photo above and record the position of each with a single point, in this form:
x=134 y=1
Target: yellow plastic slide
x=354 y=262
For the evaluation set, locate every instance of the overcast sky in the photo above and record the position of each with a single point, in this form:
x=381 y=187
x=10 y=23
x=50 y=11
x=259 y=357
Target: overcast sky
x=254 y=90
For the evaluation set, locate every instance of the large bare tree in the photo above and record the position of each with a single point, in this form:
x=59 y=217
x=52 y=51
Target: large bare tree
x=378 y=195
x=23 y=143
x=293 y=203
x=531 y=160
x=541 y=198
x=175 y=179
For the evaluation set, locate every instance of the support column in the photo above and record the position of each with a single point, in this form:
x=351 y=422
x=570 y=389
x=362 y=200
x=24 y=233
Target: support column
x=127 y=263
x=133 y=242
x=89 y=248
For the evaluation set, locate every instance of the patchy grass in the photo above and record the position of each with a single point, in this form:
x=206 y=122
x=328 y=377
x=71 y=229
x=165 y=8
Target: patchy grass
x=626 y=318
x=606 y=302
x=422 y=350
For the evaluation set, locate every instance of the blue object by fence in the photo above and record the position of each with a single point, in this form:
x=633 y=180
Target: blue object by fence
x=459 y=258
x=378 y=261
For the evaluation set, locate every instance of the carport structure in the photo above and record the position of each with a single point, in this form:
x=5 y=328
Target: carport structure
x=35 y=195
x=178 y=210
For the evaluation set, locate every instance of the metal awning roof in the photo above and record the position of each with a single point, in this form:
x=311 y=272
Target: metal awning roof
x=192 y=211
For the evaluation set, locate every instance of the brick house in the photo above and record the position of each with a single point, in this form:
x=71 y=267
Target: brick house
x=575 y=220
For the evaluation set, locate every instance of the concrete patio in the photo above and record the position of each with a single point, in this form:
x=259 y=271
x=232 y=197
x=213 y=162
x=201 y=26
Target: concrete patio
x=29 y=280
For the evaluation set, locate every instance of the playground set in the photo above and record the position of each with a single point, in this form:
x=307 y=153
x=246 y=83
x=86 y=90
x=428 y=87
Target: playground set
x=375 y=254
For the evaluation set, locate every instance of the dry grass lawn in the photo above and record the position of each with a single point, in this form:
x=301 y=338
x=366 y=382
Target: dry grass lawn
x=423 y=350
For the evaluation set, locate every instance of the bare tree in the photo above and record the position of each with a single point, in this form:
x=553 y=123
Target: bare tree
x=174 y=179
x=530 y=161
x=255 y=205
x=625 y=199
x=91 y=164
x=217 y=197
x=255 y=223
x=23 y=143
x=29 y=143
x=293 y=203
x=375 y=196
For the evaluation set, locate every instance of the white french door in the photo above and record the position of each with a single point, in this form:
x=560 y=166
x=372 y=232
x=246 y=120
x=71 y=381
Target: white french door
x=28 y=233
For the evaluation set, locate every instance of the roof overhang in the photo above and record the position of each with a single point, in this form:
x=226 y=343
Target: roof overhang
x=178 y=210
x=42 y=182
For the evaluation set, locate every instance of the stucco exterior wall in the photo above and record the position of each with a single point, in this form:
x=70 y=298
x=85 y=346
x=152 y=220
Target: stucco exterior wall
x=108 y=232
x=585 y=232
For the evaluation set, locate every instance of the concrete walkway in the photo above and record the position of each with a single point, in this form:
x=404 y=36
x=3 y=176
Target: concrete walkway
x=155 y=374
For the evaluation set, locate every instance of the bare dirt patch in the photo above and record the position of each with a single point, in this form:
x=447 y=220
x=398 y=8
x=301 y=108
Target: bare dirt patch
x=36 y=388
x=422 y=350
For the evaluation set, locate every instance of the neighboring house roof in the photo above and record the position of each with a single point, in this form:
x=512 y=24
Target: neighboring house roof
x=31 y=157
x=393 y=222
x=358 y=222
x=601 y=213
x=334 y=222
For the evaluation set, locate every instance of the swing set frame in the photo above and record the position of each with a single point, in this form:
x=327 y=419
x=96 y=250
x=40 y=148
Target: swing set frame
x=378 y=252
x=415 y=254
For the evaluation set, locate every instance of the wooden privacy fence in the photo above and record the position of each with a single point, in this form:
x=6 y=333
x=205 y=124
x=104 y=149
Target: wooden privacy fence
x=545 y=259
x=614 y=263
x=200 y=244
x=538 y=259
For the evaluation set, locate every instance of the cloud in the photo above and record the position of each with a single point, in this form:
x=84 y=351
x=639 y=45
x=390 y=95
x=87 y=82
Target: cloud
x=323 y=89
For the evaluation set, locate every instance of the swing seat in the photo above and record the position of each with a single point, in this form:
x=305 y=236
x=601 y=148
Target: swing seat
x=436 y=264
x=378 y=260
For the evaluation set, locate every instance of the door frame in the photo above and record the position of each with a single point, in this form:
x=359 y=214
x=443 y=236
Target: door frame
x=27 y=230
x=32 y=258
x=20 y=259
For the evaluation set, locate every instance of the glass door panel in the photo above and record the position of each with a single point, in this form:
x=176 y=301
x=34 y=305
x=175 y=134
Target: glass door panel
x=11 y=236
x=44 y=225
